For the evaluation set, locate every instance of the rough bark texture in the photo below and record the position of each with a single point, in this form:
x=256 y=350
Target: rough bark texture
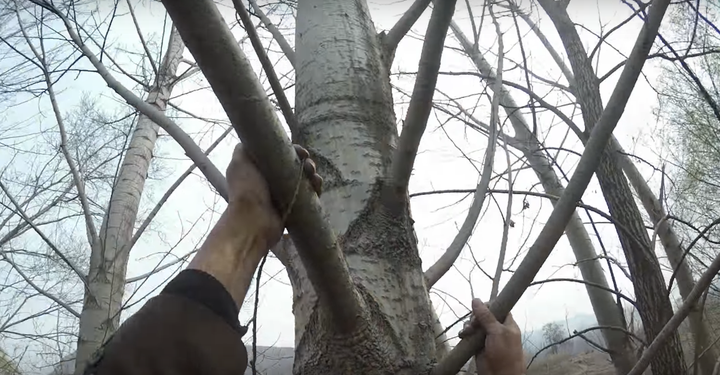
x=100 y=316
x=346 y=120
x=674 y=251
x=651 y=295
x=606 y=310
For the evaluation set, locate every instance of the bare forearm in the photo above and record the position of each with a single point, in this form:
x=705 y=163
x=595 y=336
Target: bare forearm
x=232 y=251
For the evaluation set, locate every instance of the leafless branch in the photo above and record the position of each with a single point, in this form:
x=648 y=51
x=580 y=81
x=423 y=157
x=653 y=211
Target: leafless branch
x=231 y=76
x=554 y=228
x=79 y=183
x=506 y=229
x=142 y=39
x=403 y=25
x=277 y=35
x=20 y=212
x=277 y=88
x=672 y=325
x=440 y=268
x=420 y=103
x=211 y=172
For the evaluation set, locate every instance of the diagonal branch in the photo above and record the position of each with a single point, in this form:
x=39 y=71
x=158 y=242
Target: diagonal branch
x=37 y=288
x=235 y=84
x=267 y=65
x=567 y=72
x=553 y=229
x=403 y=25
x=672 y=325
x=170 y=191
x=77 y=179
x=446 y=261
x=421 y=101
x=277 y=35
x=142 y=39
x=192 y=150
x=20 y=212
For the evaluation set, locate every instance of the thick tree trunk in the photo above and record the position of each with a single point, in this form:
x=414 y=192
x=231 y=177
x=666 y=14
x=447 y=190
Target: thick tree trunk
x=651 y=294
x=100 y=316
x=346 y=120
x=607 y=311
x=674 y=251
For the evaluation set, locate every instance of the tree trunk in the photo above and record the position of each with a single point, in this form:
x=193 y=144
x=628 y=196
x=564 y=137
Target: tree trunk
x=674 y=251
x=345 y=114
x=651 y=295
x=100 y=315
x=607 y=311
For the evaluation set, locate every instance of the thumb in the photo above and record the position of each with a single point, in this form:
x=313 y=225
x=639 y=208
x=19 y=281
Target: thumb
x=485 y=318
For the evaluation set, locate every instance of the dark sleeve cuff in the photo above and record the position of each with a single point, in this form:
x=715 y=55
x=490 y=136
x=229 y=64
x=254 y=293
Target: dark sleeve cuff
x=206 y=290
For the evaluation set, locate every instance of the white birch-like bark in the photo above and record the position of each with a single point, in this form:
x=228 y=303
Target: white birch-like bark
x=346 y=120
x=100 y=315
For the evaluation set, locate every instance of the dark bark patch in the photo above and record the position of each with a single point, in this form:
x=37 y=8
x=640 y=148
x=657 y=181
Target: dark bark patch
x=376 y=234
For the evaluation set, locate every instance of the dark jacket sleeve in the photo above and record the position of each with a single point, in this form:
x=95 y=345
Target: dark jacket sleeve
x=190 y=328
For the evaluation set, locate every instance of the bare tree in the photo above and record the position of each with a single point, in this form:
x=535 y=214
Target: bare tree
x=361 y=298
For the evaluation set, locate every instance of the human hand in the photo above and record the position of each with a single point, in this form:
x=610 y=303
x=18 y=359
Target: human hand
x=249 y=193
x=503 y=353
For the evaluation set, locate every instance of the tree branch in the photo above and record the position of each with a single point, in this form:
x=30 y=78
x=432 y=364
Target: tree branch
x=232 y=79
x=38 y=289
x=171 y=190
x=279 y=38
x=77 y=179
x=672 y=325
x=267 y=65
x=567 y=72
x=555 y=226
x=403 y=25
x=506 y=229
x=421 y=101
x=440 y=268
x=20 y=212
x=192 y=150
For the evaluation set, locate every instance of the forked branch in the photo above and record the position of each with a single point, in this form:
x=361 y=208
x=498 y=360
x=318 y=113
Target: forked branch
x=192 y=150
x=446 y=261
x=555 y=226
x=421 y=101
x=401 y=28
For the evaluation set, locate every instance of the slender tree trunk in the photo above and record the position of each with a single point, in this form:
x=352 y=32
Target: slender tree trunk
x=100 y=316
x=607 y=311
x=674 y=251
x=651 y=294
x=345 y=114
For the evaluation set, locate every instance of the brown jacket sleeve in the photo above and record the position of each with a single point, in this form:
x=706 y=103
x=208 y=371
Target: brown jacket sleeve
x=174 y=333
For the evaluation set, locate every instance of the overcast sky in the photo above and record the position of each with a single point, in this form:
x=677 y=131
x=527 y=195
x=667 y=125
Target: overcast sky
x=439 y=166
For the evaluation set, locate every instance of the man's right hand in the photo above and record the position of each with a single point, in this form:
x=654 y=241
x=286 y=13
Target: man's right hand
x=503 y=353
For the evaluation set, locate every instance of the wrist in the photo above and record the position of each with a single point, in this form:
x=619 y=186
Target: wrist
x=233 y=249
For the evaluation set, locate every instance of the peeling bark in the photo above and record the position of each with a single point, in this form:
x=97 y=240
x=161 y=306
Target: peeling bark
x=100 y=315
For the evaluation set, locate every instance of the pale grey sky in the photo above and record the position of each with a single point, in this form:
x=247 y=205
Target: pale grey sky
x=439 y=166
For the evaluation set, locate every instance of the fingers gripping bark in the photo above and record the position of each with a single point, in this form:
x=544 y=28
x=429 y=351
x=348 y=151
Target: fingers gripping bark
x=236 y=86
